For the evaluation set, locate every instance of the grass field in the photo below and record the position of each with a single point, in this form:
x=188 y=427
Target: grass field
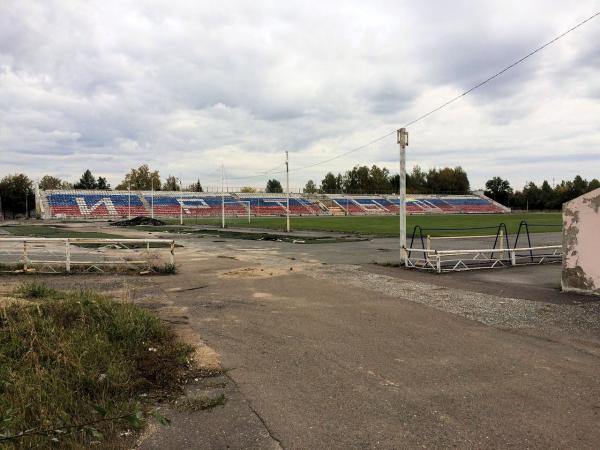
x=388 y=225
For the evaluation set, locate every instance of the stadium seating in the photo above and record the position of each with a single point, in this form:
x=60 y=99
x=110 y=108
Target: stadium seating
x=270 y=205
x=105 y=204
x=114 y=204
x=421 y=204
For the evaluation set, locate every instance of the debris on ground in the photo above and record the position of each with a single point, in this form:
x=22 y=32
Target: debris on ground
x=139 y=220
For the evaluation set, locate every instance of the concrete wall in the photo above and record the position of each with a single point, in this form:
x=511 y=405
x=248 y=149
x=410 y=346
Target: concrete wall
x=581 y=244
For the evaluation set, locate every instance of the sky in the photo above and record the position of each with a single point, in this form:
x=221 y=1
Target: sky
x=187 y=86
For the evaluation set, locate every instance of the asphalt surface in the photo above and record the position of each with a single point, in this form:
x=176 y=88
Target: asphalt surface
x=324 y=349
x=328 y=358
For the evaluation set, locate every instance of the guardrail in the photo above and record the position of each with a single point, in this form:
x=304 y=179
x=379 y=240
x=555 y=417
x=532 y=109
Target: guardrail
x=54 y=255
x=473 y=259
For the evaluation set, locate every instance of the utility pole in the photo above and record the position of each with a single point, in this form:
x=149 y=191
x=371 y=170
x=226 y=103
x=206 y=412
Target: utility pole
x=403 y=141
x=129 y=201
x=287 y=189
x=152 y=198
x=27 y=204
x=180 y=203
x=222 y=196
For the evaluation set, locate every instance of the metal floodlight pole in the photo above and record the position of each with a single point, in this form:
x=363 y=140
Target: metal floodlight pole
x=129 y=201
x=180 y=203
x=222 y=196
x=403 y=142
x=287 y=189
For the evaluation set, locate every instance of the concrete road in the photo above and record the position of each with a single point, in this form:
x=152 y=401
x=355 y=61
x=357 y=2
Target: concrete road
x=335 y=356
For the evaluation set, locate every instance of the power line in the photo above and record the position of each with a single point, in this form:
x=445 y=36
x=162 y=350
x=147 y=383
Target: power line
x=454 y=99
x=440 y=107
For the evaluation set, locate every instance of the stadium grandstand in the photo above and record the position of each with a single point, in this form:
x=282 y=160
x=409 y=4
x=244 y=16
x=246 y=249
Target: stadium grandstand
x=78 y=204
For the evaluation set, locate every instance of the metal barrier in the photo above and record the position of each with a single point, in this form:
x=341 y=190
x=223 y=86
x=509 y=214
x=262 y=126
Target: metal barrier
x=54 y=255
x=499 y=255
x=474 y=259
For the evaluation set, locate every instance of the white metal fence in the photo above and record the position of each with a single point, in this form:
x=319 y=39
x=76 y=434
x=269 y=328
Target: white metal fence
x=54 y=255
x=472 y=259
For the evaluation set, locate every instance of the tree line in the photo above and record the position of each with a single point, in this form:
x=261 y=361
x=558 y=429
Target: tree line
x=378 y=180
x=544 y=197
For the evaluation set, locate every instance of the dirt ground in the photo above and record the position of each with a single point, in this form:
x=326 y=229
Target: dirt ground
x=324 y=349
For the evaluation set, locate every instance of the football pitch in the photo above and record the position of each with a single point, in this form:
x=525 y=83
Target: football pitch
x=434 y=225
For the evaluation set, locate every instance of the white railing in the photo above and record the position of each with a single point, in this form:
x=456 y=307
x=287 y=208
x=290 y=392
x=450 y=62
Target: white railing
x=53 y=255
x=473 y=259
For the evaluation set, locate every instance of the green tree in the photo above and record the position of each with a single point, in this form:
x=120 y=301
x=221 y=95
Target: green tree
x=141 y=179
x=102 y=184
x=195 y=187
x=274 y=186
x=172 y=184
x=16 y=191
x=310 y=187
x=50 y=182
x=448 y=181
x=594 y=184
x=331 y=184
x=87 y=181
x=499 y=190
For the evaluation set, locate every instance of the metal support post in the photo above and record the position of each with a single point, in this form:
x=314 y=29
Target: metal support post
x=287 y=189
x=222 y=196
x=68 y=255
x=403 y=142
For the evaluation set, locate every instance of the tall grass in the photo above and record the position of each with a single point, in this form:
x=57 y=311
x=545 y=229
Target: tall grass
x=71 y=361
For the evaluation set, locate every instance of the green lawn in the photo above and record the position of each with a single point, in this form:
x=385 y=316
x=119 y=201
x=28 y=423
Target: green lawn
x=388 y=225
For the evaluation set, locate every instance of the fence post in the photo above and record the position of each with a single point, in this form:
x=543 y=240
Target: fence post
x=428 y=248
x=172 y=257
x=501 y=244
x=68 y=255
x=25 y=256
x=439 y=263
x=513 y=257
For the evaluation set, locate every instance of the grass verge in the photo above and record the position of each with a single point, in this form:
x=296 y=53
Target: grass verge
x=77 y=368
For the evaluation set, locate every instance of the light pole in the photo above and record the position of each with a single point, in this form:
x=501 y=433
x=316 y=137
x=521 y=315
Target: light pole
x=287 y=190
x=403 y=141
x=152 y=198
x=222 y=196
x=180 y=203
x=129 y=201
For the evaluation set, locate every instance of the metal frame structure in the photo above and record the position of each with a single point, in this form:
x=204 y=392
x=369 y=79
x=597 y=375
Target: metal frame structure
x=499 y=255
x=55 y=255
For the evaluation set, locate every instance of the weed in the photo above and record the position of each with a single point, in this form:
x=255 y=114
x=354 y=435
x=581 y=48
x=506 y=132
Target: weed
x=166 y=268
x=74 y=367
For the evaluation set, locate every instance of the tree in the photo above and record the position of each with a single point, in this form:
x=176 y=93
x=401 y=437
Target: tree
x=499 y=190
x=171 y=184
x=310 y=187
x=274 y=186
x=141 y=179
x=248 y=189
x=195 y=187
x=416 y=181
x=50 y=182
x=87 y=181
x=102 y=184
x=331 y=184
x=594 y=184
x=15 y=192
x=448 y=181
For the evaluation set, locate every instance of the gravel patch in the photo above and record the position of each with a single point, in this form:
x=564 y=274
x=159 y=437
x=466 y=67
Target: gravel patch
x=582 y=320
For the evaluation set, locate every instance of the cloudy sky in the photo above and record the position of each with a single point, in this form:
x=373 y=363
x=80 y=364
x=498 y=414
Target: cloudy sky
x=184 y=85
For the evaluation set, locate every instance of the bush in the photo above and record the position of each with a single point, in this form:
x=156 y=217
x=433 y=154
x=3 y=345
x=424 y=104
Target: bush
x=76 y=360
